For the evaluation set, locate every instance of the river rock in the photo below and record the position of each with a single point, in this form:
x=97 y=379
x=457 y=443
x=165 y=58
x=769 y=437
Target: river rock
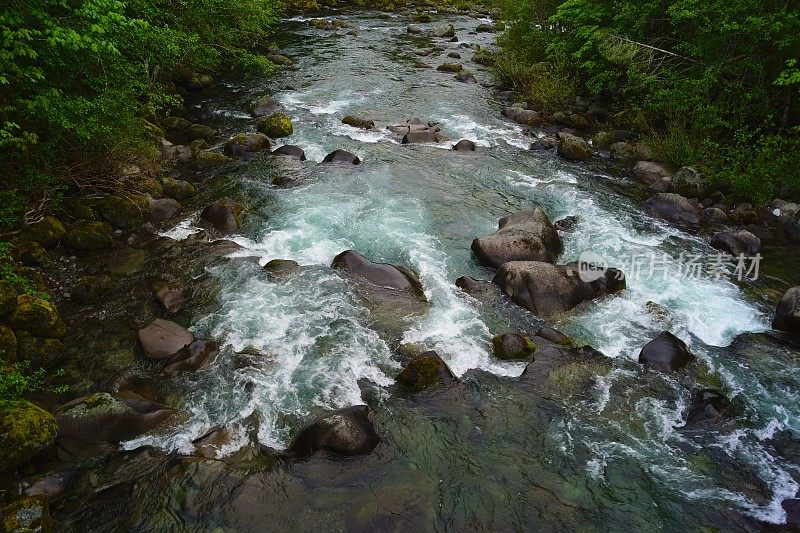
x=666 y=353
x=342 y=156
x=181 y=131
x=266 y=105
x=709 y=409
x=546 y=289
x=161 y=338
x=51 y=485
x=477 y=288
x=650 y=172
x=792 y=508
x=126 y=261
x=47 y=232
x=573 y=147
x=522 y=116
x=290 y=150
x=465 y=76
x=424 y=371
x=163 y=209
x=206 y=159
x=736 y=242
x=192 y=357
x=32 y=254
x=525 y=236
x=792 y=227
x=787 y=314
x=25 y=432
x=567 y=224
x=513 y=347
x=445 y=32
x=277 y=268
x=125 y=212
x=563 y=371
x=171 y=296
x=420 y=137
x=464 y=146
x=356 y=122
x=38 y=317
x=347 y=432
x=245 y=143
x=544 y=144
x=689 y=182
x=223 y=215
x=714 y=215
x=673 y=208
x=275 y=125
x=379 y=274
x=27 y=515
x=8 y=345
x=8 y=298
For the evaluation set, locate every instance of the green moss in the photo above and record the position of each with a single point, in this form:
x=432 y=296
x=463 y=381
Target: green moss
x=125 y=212
x=178 y=189
x=450 y=67
x=423 y=372
x=38 y=317
x=8 y=345
x=8 y=298
x=148 y=185
x=204 y=159
x=31 y=253
x=41 y=351
x=27 y=431
x=572 y=377
x=513 y=347
x=90 y=236
x=602 y=141
x=47 y=232
x=484 y=57
x=276 y=125
x=27 y=515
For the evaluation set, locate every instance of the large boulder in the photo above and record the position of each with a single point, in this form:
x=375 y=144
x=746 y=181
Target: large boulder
x=181 y=131
x=650 y=172
x=787 y=314
x=513 y=347
x=290 y=150
x=573 y=147
x=25 y=432
x=161 y=338
x=736 y=242
x=38 y=317
x=275 y=125
x=206 y=159
x=666 y=353
x=420 y=137
x=546 y=289
x=192 y=357
x=342 y=156
x=90 y=236
x=379 y=274
x=525 y=236
x=162 y=209
x=47 y=232
x=266 y=105
x=423 y=371
x=246 y=142
x=103 y=418
x=562 y=371
x=125 y=212
x=524 y=116
x=689 y=182
x=348 y=432
x=224 y=215
x=673 y=208
x=178 y=189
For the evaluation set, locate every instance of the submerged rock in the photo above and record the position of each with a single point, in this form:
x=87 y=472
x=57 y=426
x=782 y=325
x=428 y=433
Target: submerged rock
x=546 y=289
x=787 y=314
x=525 y=236
x=423 y=371
x=342 y=156
x=162 y=338
x=666 y=353
x=673 y=208
x=379 y=274
x=348 y=432
x=290 y=150
x=513 y=347
x=709 y=409
x=564 y=371
x=736 y=242
x=25 y=432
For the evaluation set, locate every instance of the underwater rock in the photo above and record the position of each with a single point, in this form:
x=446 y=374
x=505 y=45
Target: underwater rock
x=348 y=432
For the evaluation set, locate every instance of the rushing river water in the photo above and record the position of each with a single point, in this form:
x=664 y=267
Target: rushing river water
x=490 y=453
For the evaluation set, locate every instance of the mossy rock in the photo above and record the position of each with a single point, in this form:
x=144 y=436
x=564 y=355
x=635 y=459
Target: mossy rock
x=89 y=289
x=153 y=131
x=571 y=378
x=126 y=261
x=573 y=147
x=90 y=236
x=450 y=67
x=25 y=432
x=28 y=515
x=47 y=232
x=205 y=159
x=424 y=371
x=602 y=141
x=38 y=317
x=76 y=210
x=33 y=277
x=276 y=125
x=39 y=351
x=31 y=253
x=178 y=189
x=484 y=57
x=148 y=185
x=8 y=298
x=623 y=150
x=125 y=212
x=422 y=18
x=8 y=345
x=513 y=347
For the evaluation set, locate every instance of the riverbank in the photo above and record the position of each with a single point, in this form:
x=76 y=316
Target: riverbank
x=210 y=436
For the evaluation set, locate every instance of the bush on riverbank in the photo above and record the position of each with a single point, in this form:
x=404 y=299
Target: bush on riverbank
x=78 y=78
x=712 y=84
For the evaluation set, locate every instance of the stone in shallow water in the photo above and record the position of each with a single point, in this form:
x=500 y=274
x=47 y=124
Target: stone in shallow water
x=290 y=150
x=513 y=347
x=379 y=274
x=525 y=236
x=709 y=408
x=787 y=314
x=342 y=156
x=666 y=353
x=163 y=338
x=425 y=370
x=348 y=432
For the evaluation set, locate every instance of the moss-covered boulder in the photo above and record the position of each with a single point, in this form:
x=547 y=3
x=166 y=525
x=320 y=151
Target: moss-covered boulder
x=423 y=371
x=38 y=317
x=224 y=215
x=47 y=232
x=31 y=253
x=450 y=67
x=25 y=431
x=8 y=298
x=205 y=159
x=40 y=351
x=90 y=236
x=246 y=142
x=513 y=347
x=178 y=189
x=276 y=125
x=181 y=131
x=148 y=185
x=573 y=147
x=125 y=212
x=89 y=289
x=28 y=515
x=8 y=345
x=126 y=261
x=602 y=140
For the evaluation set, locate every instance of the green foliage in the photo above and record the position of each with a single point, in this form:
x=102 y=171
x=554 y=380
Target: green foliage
x=18 y=379
x=728 y=69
